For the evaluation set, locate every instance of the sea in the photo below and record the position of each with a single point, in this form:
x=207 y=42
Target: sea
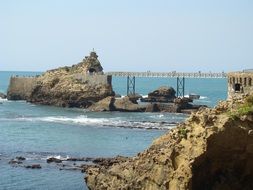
x=38 y=132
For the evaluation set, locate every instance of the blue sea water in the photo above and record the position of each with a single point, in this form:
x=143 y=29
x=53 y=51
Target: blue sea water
x=37 y=132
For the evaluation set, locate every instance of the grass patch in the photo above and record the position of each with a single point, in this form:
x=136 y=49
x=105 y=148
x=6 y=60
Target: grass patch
x=243 y=109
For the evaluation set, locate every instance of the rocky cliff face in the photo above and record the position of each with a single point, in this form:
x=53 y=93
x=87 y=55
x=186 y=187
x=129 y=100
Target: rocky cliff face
x=213 y=149
x=76 y=86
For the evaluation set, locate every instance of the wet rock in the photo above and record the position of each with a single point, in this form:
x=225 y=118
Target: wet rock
x=53 y=159
x=86 y=159
x=33 y=166
x=13 y=161
x=2 y=95
x=20 y=158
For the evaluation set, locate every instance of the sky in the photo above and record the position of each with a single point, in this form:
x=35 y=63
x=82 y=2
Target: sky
x=128 y=35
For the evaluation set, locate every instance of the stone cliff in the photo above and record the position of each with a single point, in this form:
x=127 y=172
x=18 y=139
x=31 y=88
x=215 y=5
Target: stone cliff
x=213 y=149
x=77 y=86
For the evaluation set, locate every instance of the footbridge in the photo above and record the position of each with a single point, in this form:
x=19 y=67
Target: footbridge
x=180 y=76
x=172 y=74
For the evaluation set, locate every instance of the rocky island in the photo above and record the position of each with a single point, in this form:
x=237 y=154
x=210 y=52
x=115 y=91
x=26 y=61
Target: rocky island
x=77 y=86
x=213 y=149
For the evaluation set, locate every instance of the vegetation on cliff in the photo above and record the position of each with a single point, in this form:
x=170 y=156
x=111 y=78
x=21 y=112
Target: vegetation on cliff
x=213 y=149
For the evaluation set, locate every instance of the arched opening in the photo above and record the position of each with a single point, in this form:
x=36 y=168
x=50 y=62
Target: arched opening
x=250 y=81
x=91 y=70
x=237 y=87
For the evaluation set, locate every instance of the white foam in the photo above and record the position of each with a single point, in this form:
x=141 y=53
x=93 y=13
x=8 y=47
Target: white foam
x=99 y=122
x=3 y=100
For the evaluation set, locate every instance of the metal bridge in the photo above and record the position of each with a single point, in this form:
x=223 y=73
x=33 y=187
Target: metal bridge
x=179 y=75
x=172 y=74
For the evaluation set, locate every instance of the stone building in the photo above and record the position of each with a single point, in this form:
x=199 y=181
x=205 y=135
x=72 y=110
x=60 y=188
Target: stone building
x=240 y=83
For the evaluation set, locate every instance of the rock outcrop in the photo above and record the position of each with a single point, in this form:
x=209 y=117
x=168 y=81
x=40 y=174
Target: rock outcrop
x=213 y=149
x=77 y=86
x=162 y=94
x=116 y=104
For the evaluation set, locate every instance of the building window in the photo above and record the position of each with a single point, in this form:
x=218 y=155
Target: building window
x=233 y=80
x=237 y=87
x=240 y=80
x=250 y=81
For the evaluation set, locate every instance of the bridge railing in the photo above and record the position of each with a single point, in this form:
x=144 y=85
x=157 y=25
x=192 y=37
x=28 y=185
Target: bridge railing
x=168 y=74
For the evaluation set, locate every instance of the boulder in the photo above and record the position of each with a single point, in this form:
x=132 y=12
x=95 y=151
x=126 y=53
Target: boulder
x=213 y=149
x=116 y=104
x=53 y=159
x=162 y=94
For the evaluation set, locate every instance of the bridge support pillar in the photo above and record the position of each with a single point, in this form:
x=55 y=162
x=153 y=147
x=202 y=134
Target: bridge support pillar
x=180 y=86
x=130 y=85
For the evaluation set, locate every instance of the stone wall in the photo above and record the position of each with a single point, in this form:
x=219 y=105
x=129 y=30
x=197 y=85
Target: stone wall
x=239 y=83
x=95 y=79
x=20 y=88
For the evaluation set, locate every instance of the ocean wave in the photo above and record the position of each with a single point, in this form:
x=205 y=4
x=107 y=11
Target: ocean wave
x=99 y=122
x=3 y=99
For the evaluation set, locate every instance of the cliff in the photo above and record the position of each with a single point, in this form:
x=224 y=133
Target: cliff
x=77 y=86
x=213 y=149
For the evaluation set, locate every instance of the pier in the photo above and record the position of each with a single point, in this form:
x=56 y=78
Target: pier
x=180 y=76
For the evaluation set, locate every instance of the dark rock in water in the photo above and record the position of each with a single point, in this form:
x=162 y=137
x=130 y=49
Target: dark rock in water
x=33 y=166
x=162 y=94
x=20 y=158
x=2 y=95
x=85 y=159
x=13 y=161
x=52 y=159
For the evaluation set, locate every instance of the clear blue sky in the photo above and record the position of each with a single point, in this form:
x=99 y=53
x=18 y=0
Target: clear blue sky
x=128 y=35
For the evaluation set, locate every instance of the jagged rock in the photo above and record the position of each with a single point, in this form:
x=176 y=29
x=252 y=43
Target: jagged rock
x=116 y=104
x=213 y=149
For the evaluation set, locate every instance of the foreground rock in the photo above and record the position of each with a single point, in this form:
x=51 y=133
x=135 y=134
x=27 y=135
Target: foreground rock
x=77 y=86
x=213 y=149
